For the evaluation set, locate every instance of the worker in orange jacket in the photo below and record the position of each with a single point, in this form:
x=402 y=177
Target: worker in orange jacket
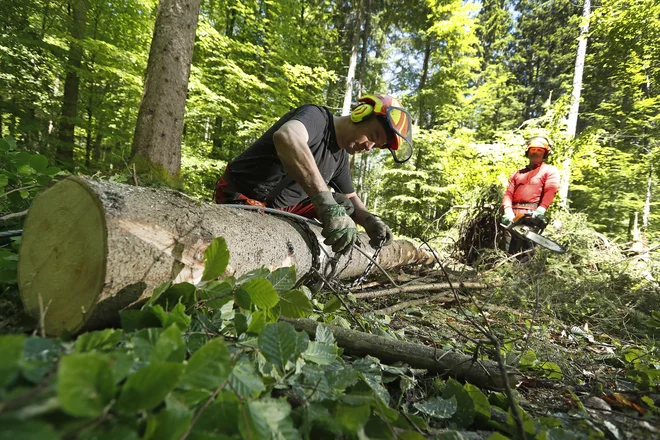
x=532 y=188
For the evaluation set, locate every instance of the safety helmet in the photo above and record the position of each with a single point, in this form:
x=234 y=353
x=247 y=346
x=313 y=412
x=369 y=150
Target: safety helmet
x=539 y=142
x=395 y=119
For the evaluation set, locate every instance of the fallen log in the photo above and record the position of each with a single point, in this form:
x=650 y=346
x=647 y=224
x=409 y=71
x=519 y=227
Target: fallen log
x=482 y=373
x=91 y=248
x=422 y=288
x=444 y=298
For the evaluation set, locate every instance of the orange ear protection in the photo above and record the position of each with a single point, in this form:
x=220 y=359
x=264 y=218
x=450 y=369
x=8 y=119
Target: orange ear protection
x=362 y=112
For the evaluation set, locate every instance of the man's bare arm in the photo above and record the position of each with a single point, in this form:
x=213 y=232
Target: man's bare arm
x=291 y=146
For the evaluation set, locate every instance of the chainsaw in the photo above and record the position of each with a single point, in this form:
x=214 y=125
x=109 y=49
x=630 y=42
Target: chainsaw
x=530 y=228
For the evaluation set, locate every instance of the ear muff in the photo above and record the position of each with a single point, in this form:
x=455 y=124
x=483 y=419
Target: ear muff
x=362 y=112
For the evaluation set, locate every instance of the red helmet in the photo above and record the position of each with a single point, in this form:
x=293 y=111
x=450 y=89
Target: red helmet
x=396 y=119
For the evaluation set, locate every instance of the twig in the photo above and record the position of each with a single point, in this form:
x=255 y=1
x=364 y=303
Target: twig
x=201 y=410
x=405 y=304
x=17 y=189
x=135 y=179
x=14 y=215
x=421 y=288
x=348 y=309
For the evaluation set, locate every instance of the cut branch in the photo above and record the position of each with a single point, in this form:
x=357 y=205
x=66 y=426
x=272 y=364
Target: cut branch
x=442 y=297
x=422 y=288
x=482 y=373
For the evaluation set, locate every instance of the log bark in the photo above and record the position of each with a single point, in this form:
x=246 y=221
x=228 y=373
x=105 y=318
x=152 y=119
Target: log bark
x=421 y=288
x=91 y=248
x=444 y=362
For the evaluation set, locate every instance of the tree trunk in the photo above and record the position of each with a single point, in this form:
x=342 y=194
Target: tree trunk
x=159 y=125
x=575 y=103
x=482 y=373
x=647 y=206
x=365 y=46
x=91 y=248
x=350 y=76
x=422 y=82
x=67 y=126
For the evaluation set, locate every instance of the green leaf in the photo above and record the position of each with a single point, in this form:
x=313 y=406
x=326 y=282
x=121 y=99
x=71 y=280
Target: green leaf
x=256 y=322
x=176 y=316
x=134 y=320
x=11 y=347
x=245 y=381
x=209 y=367
x=527 y=360
x=38 y=162
x=169 y=424
x=497 y=436
x=465 y=411
x=172 y=295
x=551 y=370
x=221 y=416
x=85 y=384
x=99 y=340
x=265 y=419
x=40 y=357
x=170 y=346
x=216 y=258
x=215 y=289
x=260 y=292
x=321 y=354
x=295 y=304
x=283 y=279
x=438 y=407
x=277 y=343
x=3 y=180
x=30 y=429
x=333 y=305
x=528 y=422
x=240 y=323
x=262 y=272
x=353 y=417
x=480 y=401
x=149 y=386
x=324 y=334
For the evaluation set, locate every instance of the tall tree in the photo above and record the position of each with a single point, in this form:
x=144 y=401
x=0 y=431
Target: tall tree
x=160 y=119
x=575 y=101
x=67 y=127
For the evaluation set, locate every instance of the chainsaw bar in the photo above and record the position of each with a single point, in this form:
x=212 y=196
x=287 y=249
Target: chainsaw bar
x=542 y=241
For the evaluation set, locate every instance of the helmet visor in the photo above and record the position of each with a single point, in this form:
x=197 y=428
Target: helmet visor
x=401 y=143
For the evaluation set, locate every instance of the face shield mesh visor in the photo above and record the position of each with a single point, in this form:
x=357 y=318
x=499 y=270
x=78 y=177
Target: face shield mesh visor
x=398 y=121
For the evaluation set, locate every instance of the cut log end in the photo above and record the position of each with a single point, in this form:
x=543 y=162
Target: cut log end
x=63 y=256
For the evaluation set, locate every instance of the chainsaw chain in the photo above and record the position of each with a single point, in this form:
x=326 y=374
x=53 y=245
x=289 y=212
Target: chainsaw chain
x=370 y=266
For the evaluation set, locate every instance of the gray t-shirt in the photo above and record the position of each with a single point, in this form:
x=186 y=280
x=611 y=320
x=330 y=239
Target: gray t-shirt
x=258 y=170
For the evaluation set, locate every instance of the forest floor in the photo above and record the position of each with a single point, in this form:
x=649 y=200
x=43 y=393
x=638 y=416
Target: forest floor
x=594 y=383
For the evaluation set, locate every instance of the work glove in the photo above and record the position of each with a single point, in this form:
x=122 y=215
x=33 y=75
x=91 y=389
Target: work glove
x=338 y=228
x=508 y=216
x=377 y=231
x=539 y=213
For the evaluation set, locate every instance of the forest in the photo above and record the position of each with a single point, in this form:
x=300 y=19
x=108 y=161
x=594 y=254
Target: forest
x=559 y=346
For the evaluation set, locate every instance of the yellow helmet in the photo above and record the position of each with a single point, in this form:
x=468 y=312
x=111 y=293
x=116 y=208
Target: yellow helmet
x=395 y=118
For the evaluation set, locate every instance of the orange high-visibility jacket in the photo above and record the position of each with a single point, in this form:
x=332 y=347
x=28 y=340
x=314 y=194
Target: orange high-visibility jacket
x=531 y=186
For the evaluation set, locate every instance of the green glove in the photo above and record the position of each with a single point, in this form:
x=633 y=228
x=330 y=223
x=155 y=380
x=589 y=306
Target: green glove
x=506 y=220
x=338 y=228
x=377 y=231
x=539 y=213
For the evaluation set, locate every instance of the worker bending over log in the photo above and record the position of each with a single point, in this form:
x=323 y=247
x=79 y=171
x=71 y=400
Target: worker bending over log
x=293 y=164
